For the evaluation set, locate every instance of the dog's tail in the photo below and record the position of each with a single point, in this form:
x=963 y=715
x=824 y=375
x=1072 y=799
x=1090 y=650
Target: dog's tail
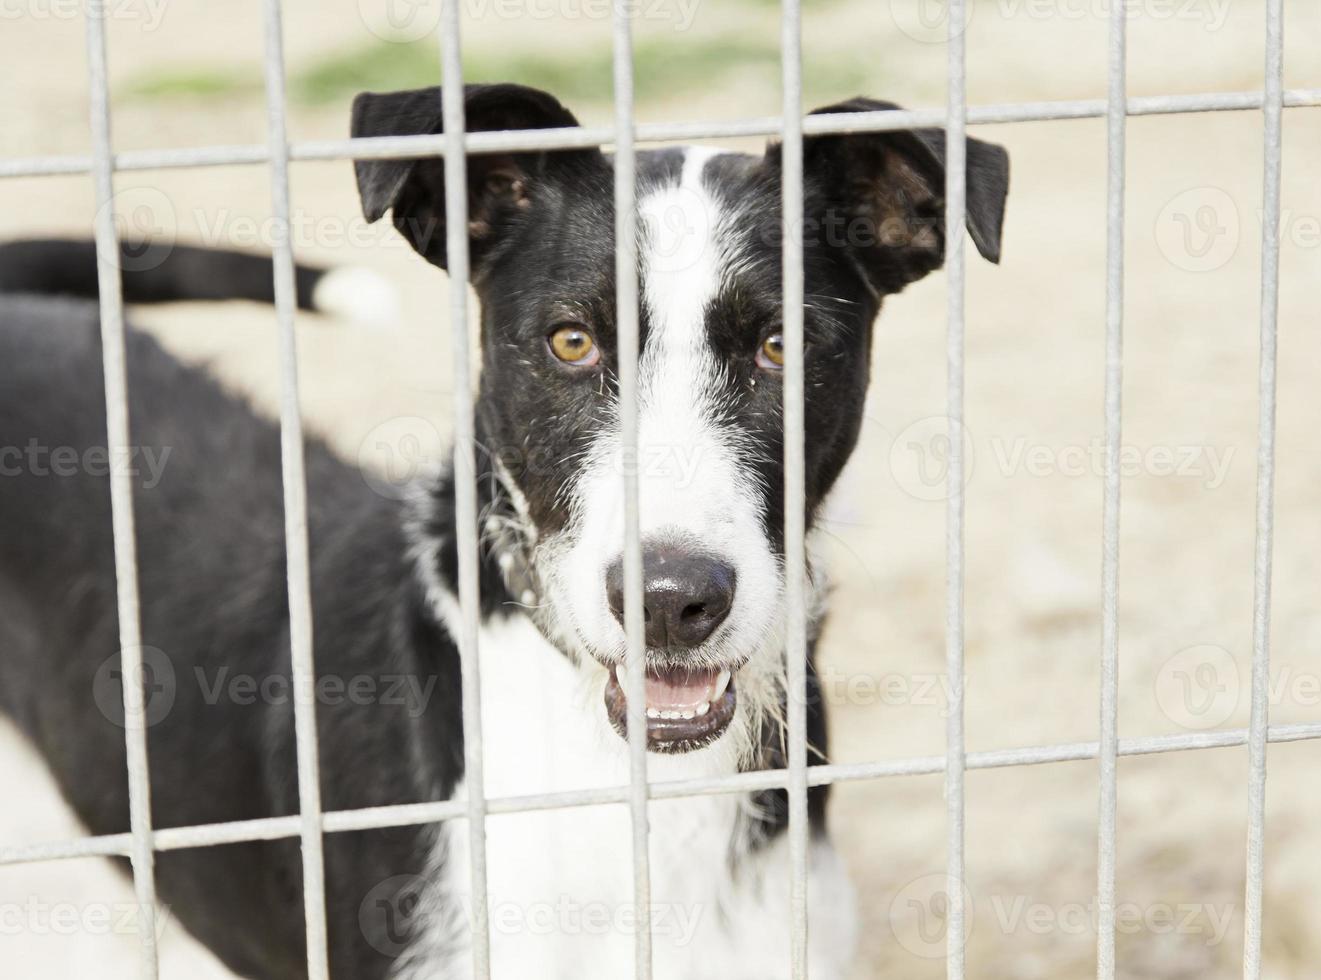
x=175 y=273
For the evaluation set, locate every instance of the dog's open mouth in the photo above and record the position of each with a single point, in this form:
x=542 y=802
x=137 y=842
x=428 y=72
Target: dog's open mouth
x=686 y=709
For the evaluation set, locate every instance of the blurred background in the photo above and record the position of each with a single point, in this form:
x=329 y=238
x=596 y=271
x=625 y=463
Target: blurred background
x=188 y=73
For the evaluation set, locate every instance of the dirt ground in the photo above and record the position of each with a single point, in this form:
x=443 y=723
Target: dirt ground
x=1035 y=349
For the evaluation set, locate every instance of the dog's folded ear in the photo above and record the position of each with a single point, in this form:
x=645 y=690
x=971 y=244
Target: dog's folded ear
x=500 y=186
x=882 y=195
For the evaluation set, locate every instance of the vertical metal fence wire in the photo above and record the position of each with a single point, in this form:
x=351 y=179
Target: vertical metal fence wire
x=627 y=332
x=795 y=505
x=118 y=441
x=1272 y=106
x=467 y=539
x=1108 y=749
x=295 y=512
x=956 y=148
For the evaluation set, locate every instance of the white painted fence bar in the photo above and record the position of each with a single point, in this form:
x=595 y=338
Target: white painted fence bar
x=405 y=815
x=956 y=151
x=795 y=502
x=1116 y=126
x=1265 y=534
x=628 y=339
x=295 y=513
x=387 y=147
x=467 y=533
x=140 y=850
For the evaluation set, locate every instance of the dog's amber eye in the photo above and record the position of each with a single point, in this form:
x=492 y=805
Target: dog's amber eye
x=771 y=353
x=572 y=344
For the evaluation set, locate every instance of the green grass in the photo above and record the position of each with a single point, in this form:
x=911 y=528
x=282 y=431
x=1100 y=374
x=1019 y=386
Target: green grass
x=191 y=84
x=378 y=67
x=661 y=69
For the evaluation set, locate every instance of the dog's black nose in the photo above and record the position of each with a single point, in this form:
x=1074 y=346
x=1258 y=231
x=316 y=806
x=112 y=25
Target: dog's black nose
x=685 y=596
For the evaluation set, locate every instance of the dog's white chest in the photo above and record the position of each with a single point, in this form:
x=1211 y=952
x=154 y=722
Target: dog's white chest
x=560 y=882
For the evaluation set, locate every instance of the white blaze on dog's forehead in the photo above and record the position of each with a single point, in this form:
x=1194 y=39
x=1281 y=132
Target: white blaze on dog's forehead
x=693 y=480
x=679 y=375
x=680 y=255
x=679 y=249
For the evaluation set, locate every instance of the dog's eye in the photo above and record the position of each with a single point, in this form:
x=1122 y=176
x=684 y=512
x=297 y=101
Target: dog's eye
x=770 y=356
x=573 y=344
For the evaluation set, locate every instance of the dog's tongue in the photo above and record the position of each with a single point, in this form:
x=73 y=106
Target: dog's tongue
x=683 y=688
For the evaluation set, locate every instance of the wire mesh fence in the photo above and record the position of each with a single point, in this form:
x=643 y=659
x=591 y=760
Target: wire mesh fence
x=309 y=826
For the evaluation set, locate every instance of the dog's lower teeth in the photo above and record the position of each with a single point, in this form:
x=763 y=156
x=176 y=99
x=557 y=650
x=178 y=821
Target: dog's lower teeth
x=653 y=713
x=703 y=708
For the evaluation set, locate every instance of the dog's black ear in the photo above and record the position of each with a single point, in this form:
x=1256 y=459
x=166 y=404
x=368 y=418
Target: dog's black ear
x=884 y=195
x=500 y=186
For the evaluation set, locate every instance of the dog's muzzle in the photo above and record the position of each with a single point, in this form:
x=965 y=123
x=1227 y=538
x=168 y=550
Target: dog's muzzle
x=686 y=597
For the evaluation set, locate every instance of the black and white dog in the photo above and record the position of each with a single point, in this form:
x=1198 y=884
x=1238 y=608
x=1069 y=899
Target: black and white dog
x=212 y=559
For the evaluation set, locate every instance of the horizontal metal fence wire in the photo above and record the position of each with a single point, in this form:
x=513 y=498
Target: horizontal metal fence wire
x=411 y=814
x=142 y=841
x=396 y=147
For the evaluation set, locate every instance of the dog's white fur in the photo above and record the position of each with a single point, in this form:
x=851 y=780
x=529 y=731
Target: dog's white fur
x=560 y=881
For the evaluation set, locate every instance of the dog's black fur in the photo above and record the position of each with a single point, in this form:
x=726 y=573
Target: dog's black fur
x=211 y=534
x=212 y=561
x=155 y=272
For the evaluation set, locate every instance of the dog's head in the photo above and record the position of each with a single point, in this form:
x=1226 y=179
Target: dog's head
x=710 y=461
